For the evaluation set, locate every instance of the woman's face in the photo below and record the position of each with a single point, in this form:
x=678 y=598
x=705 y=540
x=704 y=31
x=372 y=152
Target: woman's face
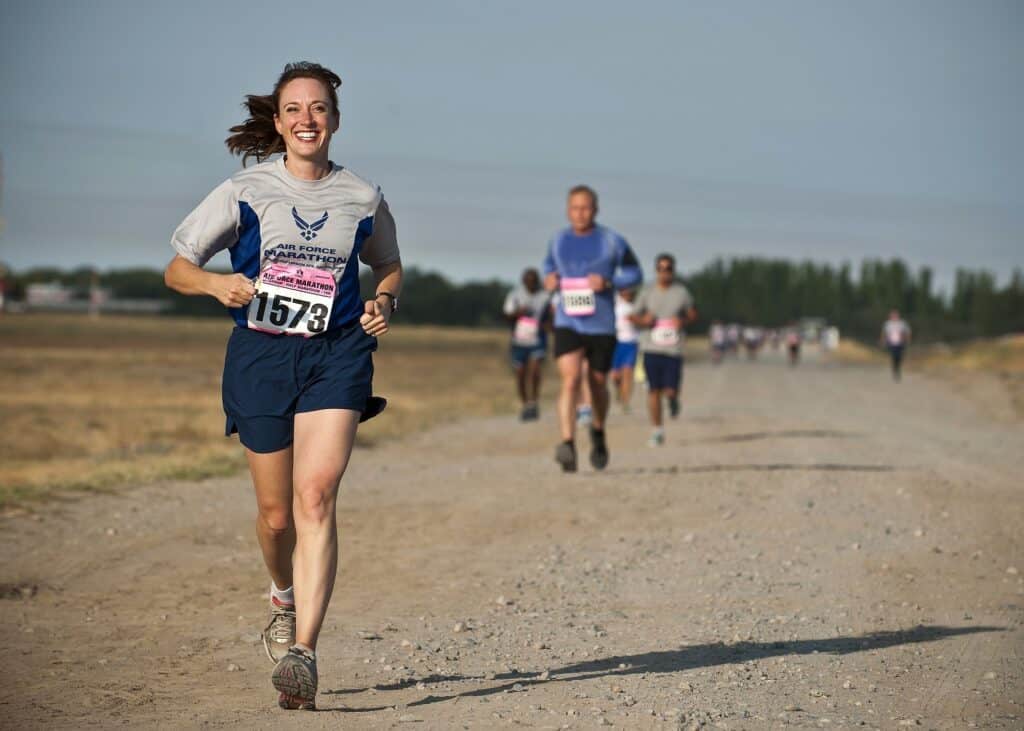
x=306 y=119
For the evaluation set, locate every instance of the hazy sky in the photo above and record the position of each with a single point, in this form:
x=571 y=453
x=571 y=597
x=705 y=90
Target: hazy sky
x=830 y=130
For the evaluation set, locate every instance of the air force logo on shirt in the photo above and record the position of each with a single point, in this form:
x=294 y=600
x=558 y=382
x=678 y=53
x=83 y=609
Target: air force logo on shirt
x=308 y=231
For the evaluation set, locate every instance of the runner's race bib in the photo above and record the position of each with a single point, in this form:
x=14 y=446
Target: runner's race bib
x=665 y=333
x=578 y=297
x=292 y=299
x=527 y=332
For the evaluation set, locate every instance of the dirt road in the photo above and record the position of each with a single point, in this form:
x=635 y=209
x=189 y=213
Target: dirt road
x=816 y=547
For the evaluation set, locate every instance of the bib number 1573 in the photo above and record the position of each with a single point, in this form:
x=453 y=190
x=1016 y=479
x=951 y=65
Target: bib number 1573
x=288 y=313
x=293 y=300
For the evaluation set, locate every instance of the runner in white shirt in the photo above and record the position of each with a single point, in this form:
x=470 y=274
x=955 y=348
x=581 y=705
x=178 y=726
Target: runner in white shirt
x=626 y=347
x=528 y=311
x=895 y=336
x=719 y=341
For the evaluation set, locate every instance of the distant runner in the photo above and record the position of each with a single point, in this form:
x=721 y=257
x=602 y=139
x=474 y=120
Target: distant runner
x=586 y=262
x=626 y=347
x=896 y=337
x=733 y=335
x=527 y=309
x=663 y=309
x=298 y=373
x=753 y=339
x=719 y=341
x=793 y=342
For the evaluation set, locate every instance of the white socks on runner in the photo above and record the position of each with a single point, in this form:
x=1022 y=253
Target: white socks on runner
x=283 y=596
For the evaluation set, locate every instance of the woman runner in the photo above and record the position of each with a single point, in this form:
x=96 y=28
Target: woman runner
x=298 y=370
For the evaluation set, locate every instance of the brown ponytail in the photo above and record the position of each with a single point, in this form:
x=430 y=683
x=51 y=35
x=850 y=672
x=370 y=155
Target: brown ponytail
x=257 y=136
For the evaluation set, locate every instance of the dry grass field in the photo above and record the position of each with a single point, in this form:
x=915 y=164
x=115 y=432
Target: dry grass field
x=95 y=404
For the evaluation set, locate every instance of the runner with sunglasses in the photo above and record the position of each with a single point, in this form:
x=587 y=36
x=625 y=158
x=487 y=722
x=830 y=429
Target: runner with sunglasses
x=663 y=310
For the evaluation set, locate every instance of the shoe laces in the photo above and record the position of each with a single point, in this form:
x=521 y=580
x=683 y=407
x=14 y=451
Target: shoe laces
x=282 y=624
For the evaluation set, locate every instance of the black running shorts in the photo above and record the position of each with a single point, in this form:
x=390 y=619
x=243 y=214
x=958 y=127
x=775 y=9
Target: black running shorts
x=597 y=349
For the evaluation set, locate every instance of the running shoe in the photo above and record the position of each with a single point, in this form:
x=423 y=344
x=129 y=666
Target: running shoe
x=295 y=678
x=673 y=407
x=657 y=438
x=565 y=455
x=584 y=414
x=598 y=449
x=279 y=634
x=530 y=412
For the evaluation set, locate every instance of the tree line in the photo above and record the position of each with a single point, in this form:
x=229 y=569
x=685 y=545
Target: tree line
x=767 y=292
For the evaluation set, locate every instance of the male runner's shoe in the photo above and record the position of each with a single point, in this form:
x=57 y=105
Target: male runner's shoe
x=657 y=438
x=673 y=407
x=598 y=449
x=295 y=677
x=565 y=455
x=279 y=634
x=530 y=412
x=584 y=414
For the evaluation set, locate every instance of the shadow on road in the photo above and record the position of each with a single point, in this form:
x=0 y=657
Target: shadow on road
x=768 y=467
x=683 y=658
x=784 y=434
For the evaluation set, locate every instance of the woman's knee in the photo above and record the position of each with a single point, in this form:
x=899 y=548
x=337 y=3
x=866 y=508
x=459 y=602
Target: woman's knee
x=315 y=496
x=276 y=518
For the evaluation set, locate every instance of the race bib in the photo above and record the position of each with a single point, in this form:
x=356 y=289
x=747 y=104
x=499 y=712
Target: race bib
x=292 y=299
x=665 y=333
x=578 y=298
x=527 y=332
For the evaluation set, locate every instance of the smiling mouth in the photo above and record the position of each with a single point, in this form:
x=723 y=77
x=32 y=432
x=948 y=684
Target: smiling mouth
x=307 y=136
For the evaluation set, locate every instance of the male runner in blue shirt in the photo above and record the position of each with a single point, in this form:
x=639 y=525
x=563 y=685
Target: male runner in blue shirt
x=586 y=263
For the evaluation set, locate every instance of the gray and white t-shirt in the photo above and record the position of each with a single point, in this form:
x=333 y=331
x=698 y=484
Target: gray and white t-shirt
x=264 y=214
x=536 y=303
x=528 y=331
x=665 y=304
x=896 y=332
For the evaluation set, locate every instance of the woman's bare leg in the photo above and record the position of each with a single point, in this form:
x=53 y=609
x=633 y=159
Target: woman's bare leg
x=323 y=444
x=275 y=530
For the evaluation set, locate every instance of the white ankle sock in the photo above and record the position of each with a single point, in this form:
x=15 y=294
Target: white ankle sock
x=283 y=596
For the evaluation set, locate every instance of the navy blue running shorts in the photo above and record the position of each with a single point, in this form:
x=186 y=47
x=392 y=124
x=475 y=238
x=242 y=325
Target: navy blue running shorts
x=270 y=378
x=521 y=354
x=663 y=371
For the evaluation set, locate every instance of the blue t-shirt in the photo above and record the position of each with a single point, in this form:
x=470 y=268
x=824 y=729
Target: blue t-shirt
x=604 y=252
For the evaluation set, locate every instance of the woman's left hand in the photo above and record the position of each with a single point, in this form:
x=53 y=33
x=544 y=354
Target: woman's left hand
x=375 y=317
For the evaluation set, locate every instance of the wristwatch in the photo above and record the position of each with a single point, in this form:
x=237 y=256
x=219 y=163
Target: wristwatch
x=394 y=299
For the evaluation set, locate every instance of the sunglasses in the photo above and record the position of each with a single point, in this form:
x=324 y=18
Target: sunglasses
x=666 y=269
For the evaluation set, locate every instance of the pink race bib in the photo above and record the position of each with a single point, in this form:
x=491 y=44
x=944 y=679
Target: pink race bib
x=527 y=332
x=665 y=333
x=292 y=299
x=578 y=298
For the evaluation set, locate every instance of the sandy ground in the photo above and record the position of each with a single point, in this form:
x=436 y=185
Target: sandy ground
x=817 y=547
